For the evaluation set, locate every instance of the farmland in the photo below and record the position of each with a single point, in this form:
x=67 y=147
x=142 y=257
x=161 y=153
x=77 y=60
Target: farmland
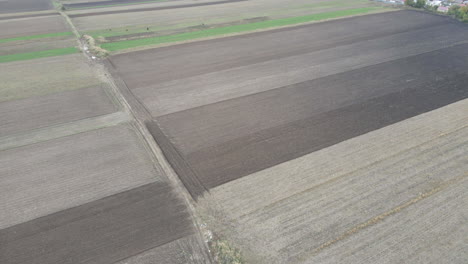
x=173 y=21
x=76 y=174
x=231 y=131
x=35 y=37
x=262 y=128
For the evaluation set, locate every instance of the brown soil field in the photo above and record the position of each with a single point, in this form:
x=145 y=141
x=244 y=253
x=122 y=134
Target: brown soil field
x=36 y=112
x=69 y=171
x=22 y=79
x=251 y=102
x=358 y=200
x=15 y=6
x=114 y=227
x=12 y=28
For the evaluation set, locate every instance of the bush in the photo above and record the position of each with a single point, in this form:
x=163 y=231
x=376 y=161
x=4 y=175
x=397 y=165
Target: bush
x=416 y=4
x=460 y=12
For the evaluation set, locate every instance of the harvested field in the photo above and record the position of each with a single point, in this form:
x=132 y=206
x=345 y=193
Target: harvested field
x=14 y=28
x=23 y=79
x=243 y=104
x=66 y=172
x=115 y=227
x=37 y=45
x=363 y=195
x=35 y=112
x=15 y=6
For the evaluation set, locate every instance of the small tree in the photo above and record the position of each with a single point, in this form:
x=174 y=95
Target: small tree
x=453 y=10
x=420 y=3
x=410 y=2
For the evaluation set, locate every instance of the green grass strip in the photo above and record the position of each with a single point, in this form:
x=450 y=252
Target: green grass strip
x=37 y=54
x=113 y=5
x=234 y=29
x=48 y=35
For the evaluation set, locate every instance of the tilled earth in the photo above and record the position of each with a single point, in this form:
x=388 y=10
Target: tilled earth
x=239 y=105
x=299 y=143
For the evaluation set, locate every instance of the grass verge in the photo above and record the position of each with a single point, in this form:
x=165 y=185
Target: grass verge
x=48 y=35
x=37 y=54
x=126 y=44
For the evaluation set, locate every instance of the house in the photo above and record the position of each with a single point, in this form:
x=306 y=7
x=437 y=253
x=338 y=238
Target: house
x=443 y=9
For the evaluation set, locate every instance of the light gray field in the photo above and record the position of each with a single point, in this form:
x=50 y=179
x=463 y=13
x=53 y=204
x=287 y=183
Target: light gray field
x=54 y=175
x=22 y=79
x=12 y=28
x=24 y=46
x=433 y=231
x=37 y=112
x=293 y=211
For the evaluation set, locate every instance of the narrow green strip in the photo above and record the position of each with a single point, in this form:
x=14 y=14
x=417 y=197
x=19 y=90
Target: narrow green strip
x=37 y=54
x=234 y=29
x=48 y=35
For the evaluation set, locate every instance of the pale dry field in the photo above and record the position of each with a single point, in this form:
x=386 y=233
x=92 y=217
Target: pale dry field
x=323 y=206
x=22 y=79
x=69 y=171
x=23 y=115
x=11 y=28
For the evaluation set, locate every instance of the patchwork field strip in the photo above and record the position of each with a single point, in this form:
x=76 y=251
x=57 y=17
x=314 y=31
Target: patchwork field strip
x=115 y=227
x=201 y=15
x=243 y=104
x=32 y=113
x=18 y=29
x=23 y=79
x=78 y=169
x=78 y=183
x=90 y=5
x=17 y=6
x=126 y=44
x=327 y=204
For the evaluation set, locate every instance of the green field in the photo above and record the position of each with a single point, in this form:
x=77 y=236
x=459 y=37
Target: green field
x=37 y=54
x=126 y=44
x=48 y=35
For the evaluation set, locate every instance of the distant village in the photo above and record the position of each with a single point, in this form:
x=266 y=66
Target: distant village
x=441 y=5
